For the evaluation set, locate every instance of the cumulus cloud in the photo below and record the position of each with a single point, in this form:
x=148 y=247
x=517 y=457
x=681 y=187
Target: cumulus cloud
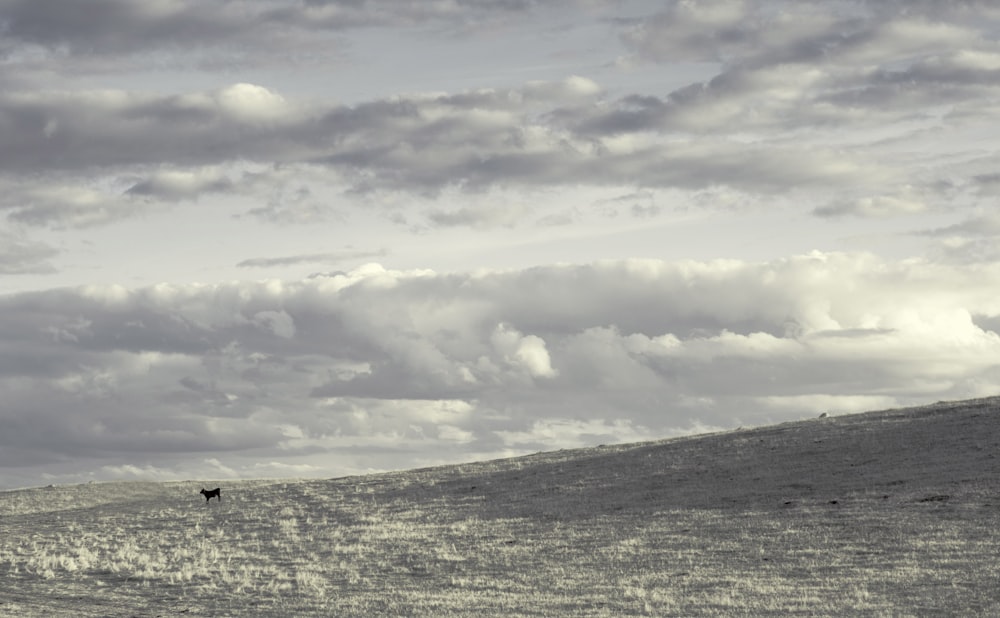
x=486 y=362
x=527 y=353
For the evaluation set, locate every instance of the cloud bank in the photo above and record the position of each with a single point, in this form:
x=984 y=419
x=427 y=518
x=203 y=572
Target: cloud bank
x=276 y=140
x=807 y=97
x=380 y=363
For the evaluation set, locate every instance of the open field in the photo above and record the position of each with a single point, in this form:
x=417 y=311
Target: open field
x=891 y=513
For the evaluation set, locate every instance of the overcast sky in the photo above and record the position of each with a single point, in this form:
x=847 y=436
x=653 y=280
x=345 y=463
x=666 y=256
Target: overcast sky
x=272 y=238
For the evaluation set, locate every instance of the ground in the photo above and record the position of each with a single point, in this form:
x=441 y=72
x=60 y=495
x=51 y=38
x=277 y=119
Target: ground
x=889 y=513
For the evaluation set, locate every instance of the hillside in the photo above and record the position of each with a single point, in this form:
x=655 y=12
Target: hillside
x=884 y=513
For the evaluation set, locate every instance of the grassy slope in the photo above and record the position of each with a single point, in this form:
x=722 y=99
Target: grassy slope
x=887 y=513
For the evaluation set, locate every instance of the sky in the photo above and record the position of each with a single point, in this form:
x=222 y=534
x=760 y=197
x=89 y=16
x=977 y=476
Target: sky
x=315 y=238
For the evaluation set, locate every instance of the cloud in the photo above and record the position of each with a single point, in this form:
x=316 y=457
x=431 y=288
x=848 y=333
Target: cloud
x=791 y=79
x=975 y=239
x=693 y=31
x=875 y=206
x=787 y=66
x=875 y=110
x=421 y=144
x=174 y=186
x=114 y=25
x=754 y=33
x=19 y=255
x=333 y=257
x=480 y=363
x=74 y=130
x=982 y=225
x=98 y=35
x=527 y=353
x=572 y=433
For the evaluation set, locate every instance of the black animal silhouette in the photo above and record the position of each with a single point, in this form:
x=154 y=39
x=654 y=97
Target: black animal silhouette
x=212 y=493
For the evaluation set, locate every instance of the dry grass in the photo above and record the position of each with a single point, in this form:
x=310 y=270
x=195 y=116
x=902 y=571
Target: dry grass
x=882 y=514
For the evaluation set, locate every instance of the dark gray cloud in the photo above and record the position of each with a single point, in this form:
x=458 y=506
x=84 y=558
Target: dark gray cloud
x=114 y=26
x=98 y=35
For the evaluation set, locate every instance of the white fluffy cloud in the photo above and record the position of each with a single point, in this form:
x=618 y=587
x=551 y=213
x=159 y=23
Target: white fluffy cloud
x=481 y=363
x=527 y=353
